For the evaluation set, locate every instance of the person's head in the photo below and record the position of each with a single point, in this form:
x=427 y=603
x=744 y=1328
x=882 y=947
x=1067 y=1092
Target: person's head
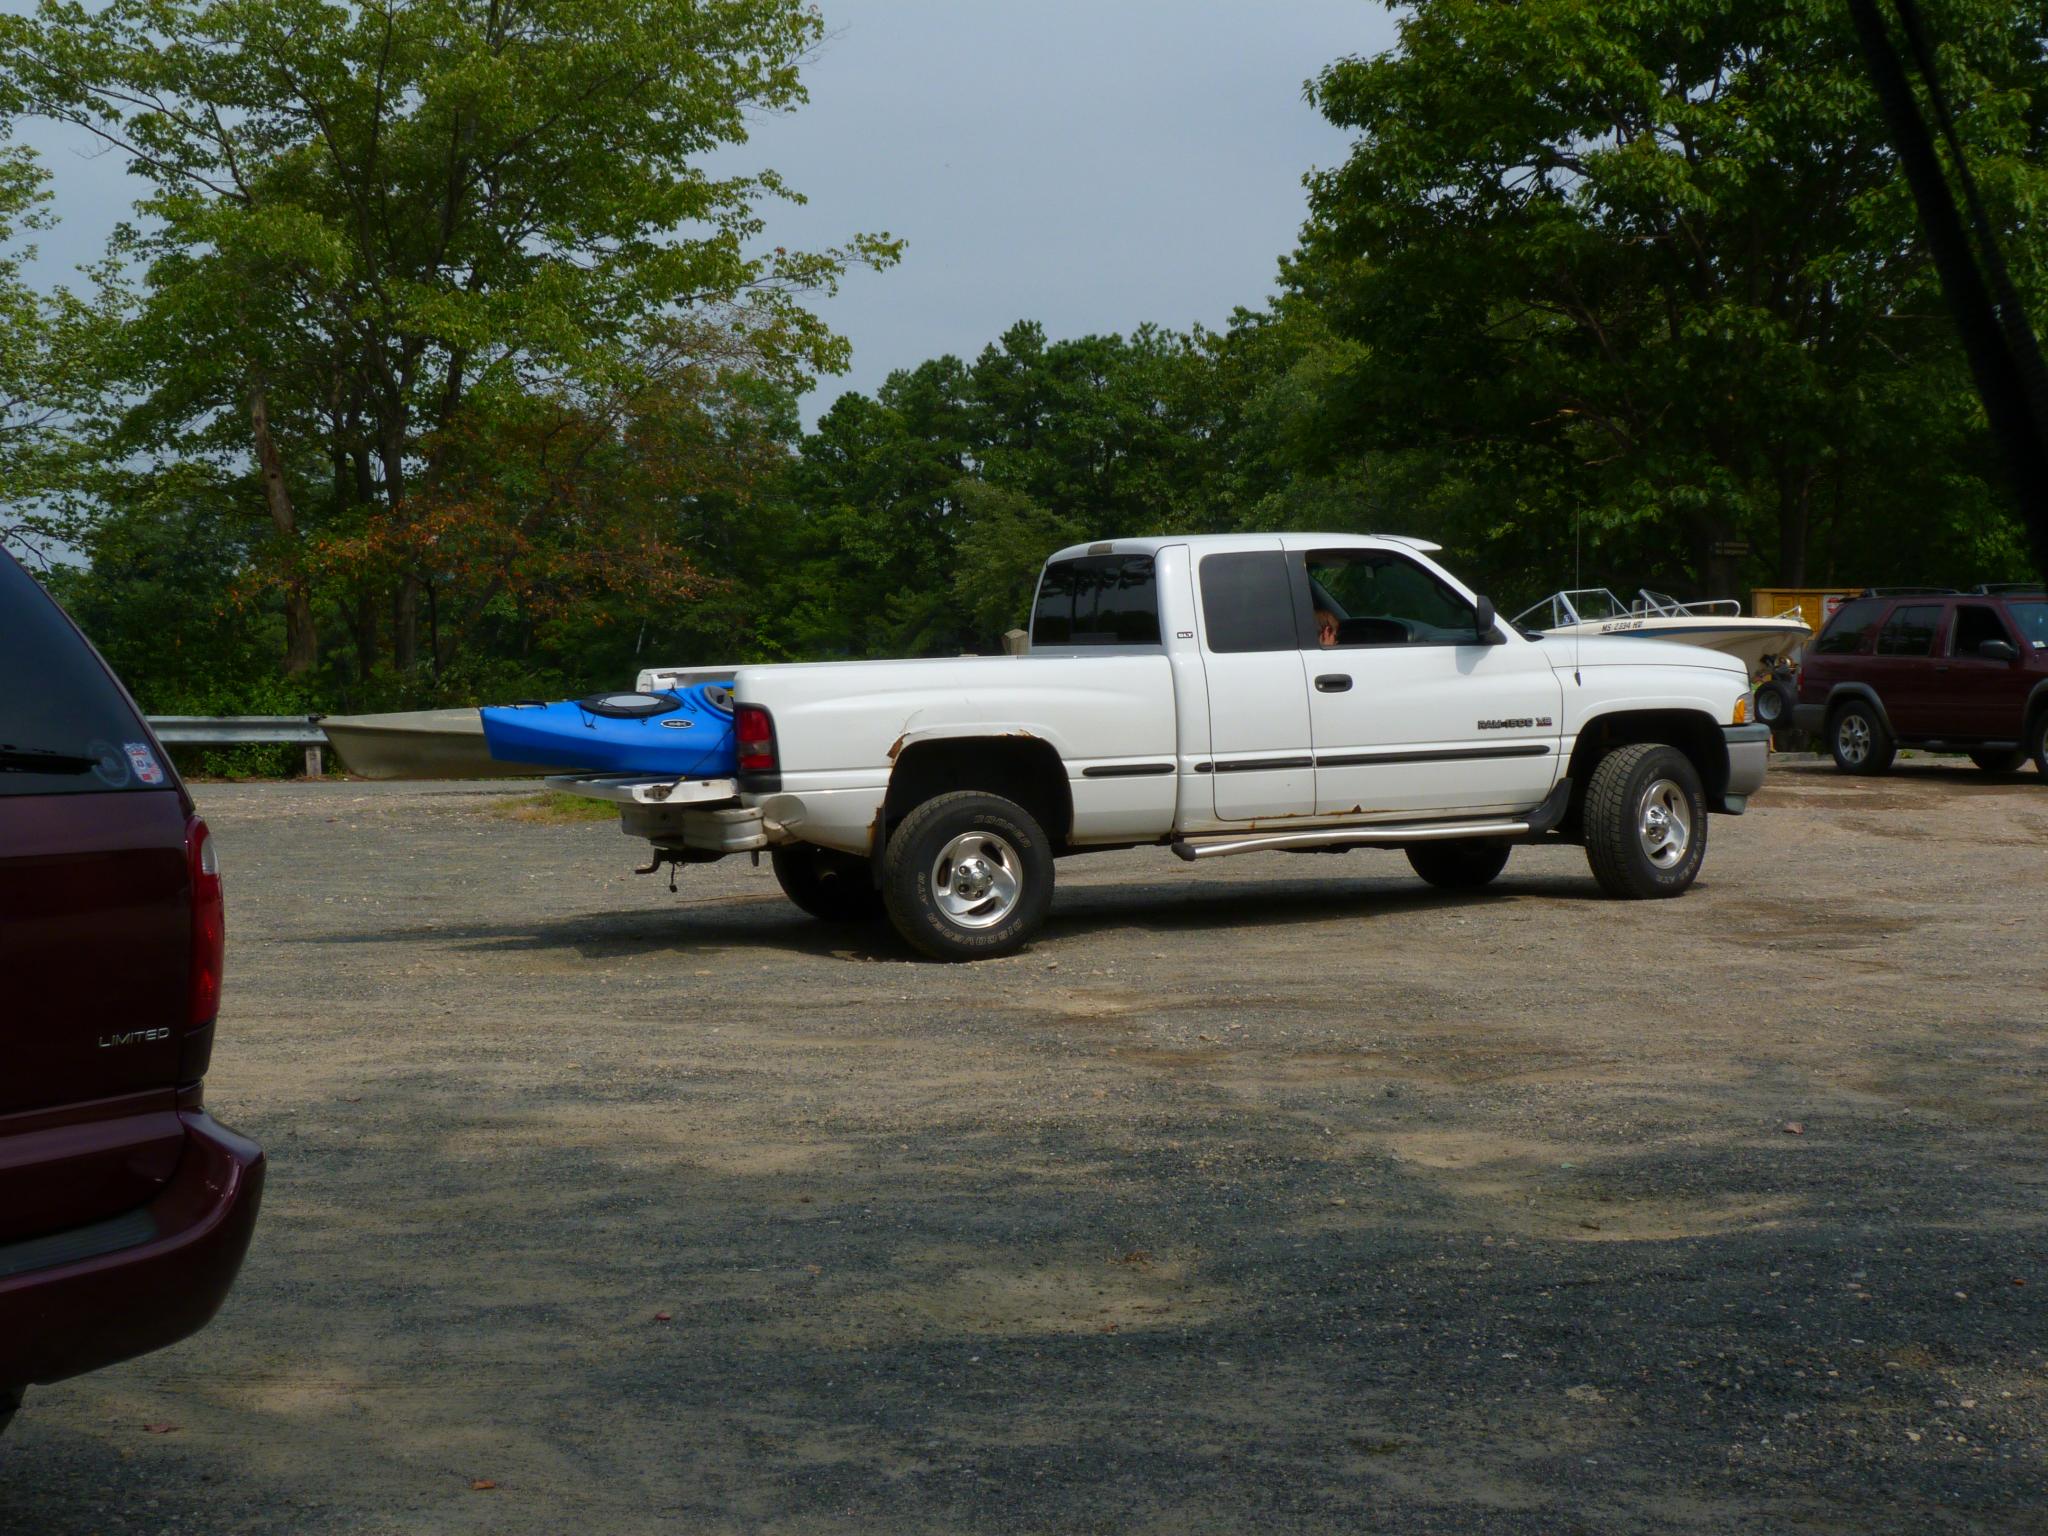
x=1326 y=627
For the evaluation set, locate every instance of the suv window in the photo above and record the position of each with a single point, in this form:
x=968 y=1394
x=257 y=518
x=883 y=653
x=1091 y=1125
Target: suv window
x=1097 y=600
x=1248 y=602
x=1380 y=598
x=1845 y=631
x=2032 y=619
x=1910 y=631
x=1974 y=624
x=65 y=727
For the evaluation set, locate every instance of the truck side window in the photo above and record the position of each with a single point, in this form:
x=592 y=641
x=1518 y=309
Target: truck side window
x=1097 y=600
x=1381 y=598
x=1910 y=631
x=1248 y=602
x=1973 y=626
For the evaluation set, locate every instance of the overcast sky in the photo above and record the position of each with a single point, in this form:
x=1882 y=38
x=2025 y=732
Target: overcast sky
x=1092 y=164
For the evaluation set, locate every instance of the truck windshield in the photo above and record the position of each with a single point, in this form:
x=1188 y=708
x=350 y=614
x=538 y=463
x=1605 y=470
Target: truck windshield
x=64 y=726
x=1097 y=600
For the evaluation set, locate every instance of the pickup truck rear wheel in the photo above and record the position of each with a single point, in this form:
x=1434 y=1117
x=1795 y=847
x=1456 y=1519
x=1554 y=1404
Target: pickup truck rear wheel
x=835 y=887
x=1646 y=821
x=967 y=876
x=1464 y=865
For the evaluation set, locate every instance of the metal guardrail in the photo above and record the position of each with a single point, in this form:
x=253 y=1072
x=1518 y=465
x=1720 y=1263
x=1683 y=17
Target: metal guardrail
x=245 y=730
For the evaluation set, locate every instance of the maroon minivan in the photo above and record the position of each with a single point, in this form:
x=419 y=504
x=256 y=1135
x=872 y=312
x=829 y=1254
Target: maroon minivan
x=124 y=1208
x=1947 y=671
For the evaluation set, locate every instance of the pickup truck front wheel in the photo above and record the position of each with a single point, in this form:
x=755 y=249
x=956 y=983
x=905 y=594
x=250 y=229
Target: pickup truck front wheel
x=967 y=876
x=1646 y=821
x=835 y=887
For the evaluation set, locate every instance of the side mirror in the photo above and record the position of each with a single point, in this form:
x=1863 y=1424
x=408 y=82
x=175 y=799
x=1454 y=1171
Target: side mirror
x=1487 y=622
x=1997 y=650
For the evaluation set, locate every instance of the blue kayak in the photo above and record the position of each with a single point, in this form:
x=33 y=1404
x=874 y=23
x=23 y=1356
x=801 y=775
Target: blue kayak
x=686 y=733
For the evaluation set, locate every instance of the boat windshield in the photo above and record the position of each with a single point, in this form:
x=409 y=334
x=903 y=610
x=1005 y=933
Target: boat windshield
x=1581 y=605
x=1663 y=605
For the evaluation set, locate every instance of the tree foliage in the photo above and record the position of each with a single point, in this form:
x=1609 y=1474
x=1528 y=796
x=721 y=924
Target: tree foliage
x=1651 y=262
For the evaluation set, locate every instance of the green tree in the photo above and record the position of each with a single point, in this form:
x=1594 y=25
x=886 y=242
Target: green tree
x=366 y=222
x=1651 y=263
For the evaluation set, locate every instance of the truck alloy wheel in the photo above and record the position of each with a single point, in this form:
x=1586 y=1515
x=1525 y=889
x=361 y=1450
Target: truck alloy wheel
x=967 y=875
x=2037 y=740
x=1646 y=821
x=1858 y=739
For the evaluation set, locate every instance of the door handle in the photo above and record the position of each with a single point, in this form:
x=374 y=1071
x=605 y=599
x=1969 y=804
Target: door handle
x=1334 y=682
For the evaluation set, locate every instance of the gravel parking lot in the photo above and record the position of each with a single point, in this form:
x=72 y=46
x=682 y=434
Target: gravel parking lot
x=1281 y=1194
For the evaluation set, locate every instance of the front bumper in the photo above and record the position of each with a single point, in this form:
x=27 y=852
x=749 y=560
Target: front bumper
x=1749 y=759
x=74 y=1301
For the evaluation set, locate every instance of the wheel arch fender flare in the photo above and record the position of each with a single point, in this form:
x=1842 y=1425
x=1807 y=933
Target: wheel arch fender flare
x=1692 y=731
x=1866 y=694
x=1018 y=765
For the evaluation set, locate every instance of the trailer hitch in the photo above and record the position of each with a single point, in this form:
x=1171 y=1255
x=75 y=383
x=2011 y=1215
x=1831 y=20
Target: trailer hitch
x=653 y=866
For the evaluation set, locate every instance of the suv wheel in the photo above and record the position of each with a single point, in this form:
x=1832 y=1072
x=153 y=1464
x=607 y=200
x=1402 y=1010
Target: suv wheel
x=1999 y=759
x=1459 y=866
x=1646 y=821
x=967 y=876
x=1858 y=739
x=2037 y=739
x=837 y=887
x=10 y=1399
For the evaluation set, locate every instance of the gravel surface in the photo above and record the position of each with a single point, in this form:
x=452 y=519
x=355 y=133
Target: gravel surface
x=1280 y=1194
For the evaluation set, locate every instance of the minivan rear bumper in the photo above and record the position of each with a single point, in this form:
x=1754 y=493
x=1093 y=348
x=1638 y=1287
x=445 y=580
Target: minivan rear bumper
x=74 y=1301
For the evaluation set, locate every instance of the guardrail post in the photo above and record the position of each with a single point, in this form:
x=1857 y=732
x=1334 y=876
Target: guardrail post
x=312 y=761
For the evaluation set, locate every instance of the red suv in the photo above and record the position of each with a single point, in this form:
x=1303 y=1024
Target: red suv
x=1951 y=671
x=124 y=1209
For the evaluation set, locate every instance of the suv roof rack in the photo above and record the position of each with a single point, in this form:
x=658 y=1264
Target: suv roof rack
x=2010 y=589
x=1912 y=592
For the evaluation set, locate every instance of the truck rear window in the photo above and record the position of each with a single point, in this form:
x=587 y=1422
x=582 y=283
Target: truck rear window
x=1097 y=600
x=1845 y=631
x=65 y=728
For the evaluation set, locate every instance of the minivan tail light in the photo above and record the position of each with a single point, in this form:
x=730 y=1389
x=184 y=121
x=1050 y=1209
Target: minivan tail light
x=209 y=926
x=754 y=732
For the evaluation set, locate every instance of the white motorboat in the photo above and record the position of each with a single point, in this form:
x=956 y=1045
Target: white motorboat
x=1718 y=624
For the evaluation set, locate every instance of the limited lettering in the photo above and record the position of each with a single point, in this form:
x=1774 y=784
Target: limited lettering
x=133 y=1037
x=1524 y=723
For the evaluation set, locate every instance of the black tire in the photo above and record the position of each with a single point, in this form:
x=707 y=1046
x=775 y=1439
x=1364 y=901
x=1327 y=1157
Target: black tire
x=2000 y=759
x=832 y=886
x=1858 y=740
x=1465 y=865
x=1774 y=706
x=10 y=1400
x=2037 y=740
x=1638 y=796
x=973 y=922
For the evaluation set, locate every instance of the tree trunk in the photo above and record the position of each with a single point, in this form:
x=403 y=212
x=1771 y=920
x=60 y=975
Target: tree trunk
x=301 y=638
x=1795 y=523
x=405 y=603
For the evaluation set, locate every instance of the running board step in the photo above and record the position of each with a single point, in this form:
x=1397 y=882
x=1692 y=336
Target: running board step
x=1531 y=824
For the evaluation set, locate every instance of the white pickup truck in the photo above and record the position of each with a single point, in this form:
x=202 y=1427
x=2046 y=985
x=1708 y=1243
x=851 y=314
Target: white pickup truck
x=1216 y=695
